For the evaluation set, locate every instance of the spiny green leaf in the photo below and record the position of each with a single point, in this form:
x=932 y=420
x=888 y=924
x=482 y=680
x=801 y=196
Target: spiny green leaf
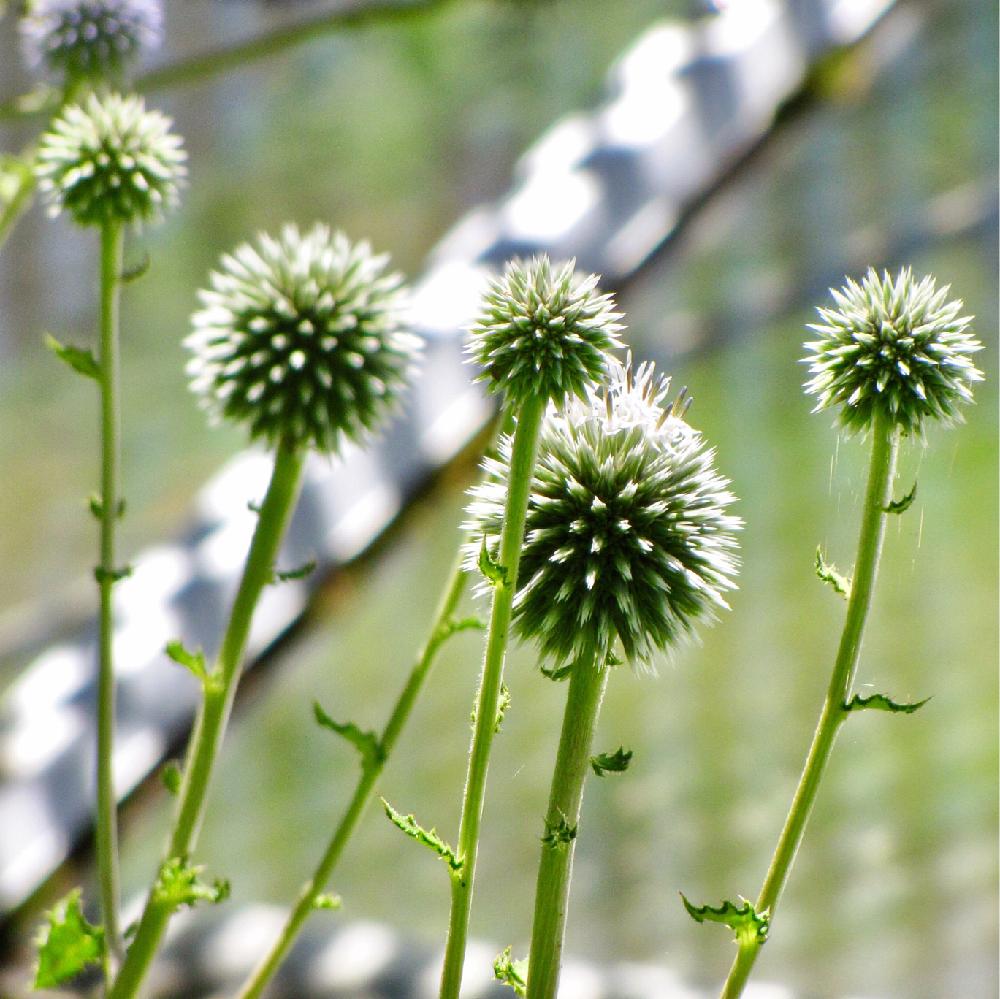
x=904 y=504
x=96 y=505
x=327 y=901
x=613 y=660
x=366 y=743
x=67 y=943
x=558 y=835
x=880 y=702
x=827 y=572
x=453 y=626
x=254 y=506
x=194 y=662
x=502 y=705
x=171 y=777
x=408 y=824
x=284 y=575
x=494 y=572
x=135 y=272
x=614 y=763
x=179 y=883
x=748 y=925
x=511 y=972
x=79 y=359
x=557 y=673
x=103 y=575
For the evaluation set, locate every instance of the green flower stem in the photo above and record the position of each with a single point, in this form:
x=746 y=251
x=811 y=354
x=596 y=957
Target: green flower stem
x=220 y=689
x=112 y=243
x=522 y=466
x=882 y=471
x=311 y=890
x=588 y=680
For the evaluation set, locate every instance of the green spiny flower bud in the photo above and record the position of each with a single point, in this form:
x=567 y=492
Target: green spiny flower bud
x=302 y=338
x=627 y=535
x=94 y=39
x=543 y=333
x=893 y=348
x=110 y=161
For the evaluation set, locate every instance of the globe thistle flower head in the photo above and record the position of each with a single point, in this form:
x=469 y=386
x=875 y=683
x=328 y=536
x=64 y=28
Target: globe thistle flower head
x=627 y=536
x=302 y=338
x=91 y=39
x=543 y=332
x=895 y=348
x=110 y=160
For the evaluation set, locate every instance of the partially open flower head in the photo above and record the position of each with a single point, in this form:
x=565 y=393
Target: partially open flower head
x=543 y=332
x=627 y=534
x=895 y=348
x=110 y=160
x=92 y=39
x=302 y=339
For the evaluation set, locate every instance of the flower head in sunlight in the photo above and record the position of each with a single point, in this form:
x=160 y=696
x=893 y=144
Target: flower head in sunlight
x=302 y=338
x=110 y=160
x=95 y=39
x=895 y=348
x=543 y=332
x=627 y=536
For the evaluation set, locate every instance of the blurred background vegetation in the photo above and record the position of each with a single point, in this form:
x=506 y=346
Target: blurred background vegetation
x=391 y=132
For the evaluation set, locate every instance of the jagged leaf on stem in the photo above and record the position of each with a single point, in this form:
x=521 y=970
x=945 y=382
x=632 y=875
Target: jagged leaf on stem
x=827 y=572
x=366 y=743
x=613 y=763
x=67 y=943
x=511 y=972
x=880 y=702
x=409 y=825
x=179 y=883
x=193 y=662
x=904 y=504
x=80 y=359
x=749 y=925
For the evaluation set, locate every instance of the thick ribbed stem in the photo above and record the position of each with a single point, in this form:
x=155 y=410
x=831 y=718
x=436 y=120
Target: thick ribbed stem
x=220 y=689
x=586 y=688
x=882 y=471
x=112 y=241
x=522 y=466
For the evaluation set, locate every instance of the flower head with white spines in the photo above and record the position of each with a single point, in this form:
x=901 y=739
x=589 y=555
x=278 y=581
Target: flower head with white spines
x=627 y=535
x=895 y=347
x=94 y=39
x=302 y=338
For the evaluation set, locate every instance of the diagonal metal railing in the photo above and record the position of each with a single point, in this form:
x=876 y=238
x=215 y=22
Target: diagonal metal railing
x=606 y=186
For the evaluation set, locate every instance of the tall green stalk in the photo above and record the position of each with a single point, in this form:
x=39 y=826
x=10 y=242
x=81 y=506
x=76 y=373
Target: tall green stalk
x=522 y=465
x=878 y=495
x=109 y=508
x=586 y=689
x=309 y=895
x=219 y=691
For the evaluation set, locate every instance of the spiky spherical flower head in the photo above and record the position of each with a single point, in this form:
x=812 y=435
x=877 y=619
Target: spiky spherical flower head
x=95 y=39
x=543 y=332
x=895 y=348
x=302 y=338
x=110 y=160
x=627 y=534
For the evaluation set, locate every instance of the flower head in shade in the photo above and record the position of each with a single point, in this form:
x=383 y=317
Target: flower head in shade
x=627 y=534
x=95 y=39
x=302 y=338
x=543 y=332
x=893 y=347
x=110 y=160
